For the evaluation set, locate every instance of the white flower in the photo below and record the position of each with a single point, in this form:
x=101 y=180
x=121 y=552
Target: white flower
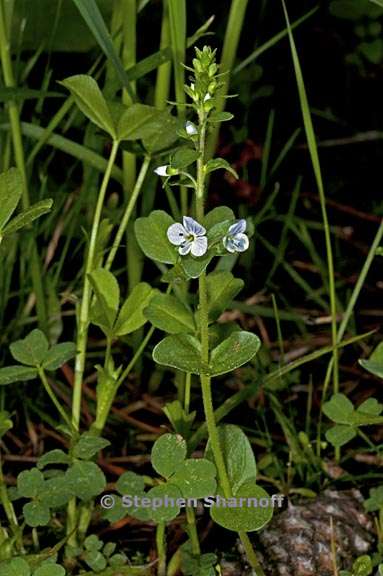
x=162 y=170
x=235 y=239
x=207 y=97
x=190 y=237
x=191 y=128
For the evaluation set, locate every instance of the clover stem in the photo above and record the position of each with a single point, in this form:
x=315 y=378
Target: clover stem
x=128 y=212
x=204 y=331
x=83 y=321
x=9 y=510
x=161 y=548
x=54 y=398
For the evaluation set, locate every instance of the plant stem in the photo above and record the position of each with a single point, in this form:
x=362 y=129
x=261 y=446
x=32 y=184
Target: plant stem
x=14 y=117
x=128 y=212
x=86 y=296
x=192 y=531
x=9 y=510
x=161 y=548
x=54 y=398
x=204 y=332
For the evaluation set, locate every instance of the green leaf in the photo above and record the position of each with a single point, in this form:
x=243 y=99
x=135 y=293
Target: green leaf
x=183 y=157
x=237 y=453
x=236 y=350
x=95 y=560
x=50 y=570
x=58 y=355
x=16 y=567
x=27 y=216
x=56 y=456
x=339 y=409
x=32 y=350
x=137 y=122
x=362 y=566
x=5 y=422
x=222 y=287
x=168 y=508
x=89 y=445
x=151 y=234
x=131 y=316
x=375 y=501
x=130 y=483
x=218 y=215
x=91 y=13
x=169 y=314
x=11 y=188
x=340 y=434
x=164 y=133
x=220 y=117
x=220 y=164
x=180 y=419
x=247 y=518
x=182 y=351
x=30 y=483
x=36 y=514
x=195 y=478
x=85 y=480
x=91 y=101
x=193 y=267
x=375 y=363
x=371 y=407
x=168 y=453
x=56 y=493
x=12 y=374
x=105 y=310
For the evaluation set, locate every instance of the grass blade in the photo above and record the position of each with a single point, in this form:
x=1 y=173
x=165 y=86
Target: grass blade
x=313 y=150
x=93 y=17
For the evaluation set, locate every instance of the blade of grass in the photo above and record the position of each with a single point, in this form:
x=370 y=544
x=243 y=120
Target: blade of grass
x=161 y=93
x=272 y=41
x=78 y=151
x=93 y=18
x=229 y=51
x=18 y=149
x=313 y=149
x=177 y=24
x=266 y=149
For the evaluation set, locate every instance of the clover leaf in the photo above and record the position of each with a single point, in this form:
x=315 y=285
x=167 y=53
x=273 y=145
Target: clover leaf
x=347 y=420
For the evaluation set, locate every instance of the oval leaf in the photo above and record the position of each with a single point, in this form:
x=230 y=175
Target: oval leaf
x=32 y=350
x=91 y=101
x=11 y=187
x=168 y=453
x=169 y=314
x=247 y=511
x=131 y=316
x=58 y=355
x=152 y=239
x=236 y=350
x=12 y=374
x=182 y=351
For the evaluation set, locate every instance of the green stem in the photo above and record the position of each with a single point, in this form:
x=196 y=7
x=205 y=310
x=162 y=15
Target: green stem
x=128 y=212
x=14 y=117
x=204 y=332
x=82 y=335
x=161 y=548
x=192 y=531
x=54 y=398
x=161 y=92
x=9 y=510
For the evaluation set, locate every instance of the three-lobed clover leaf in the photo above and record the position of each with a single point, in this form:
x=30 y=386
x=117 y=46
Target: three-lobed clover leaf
x=347 y=420
x=11 y=187
x=33 y=352
x=106 y=312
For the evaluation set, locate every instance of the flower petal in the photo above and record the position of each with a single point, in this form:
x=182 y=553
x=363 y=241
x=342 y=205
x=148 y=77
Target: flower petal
x=177 y=234
x=241 y=242
x=193 y=227
x=185 y=248
x=229 y=244
x=161 y=170
x=199 y=246
x=238 y=227
x=191 y=129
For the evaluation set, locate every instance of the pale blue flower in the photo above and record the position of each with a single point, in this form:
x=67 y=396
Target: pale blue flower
x=191 y=129
x=188 y=236
x=236 y=239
